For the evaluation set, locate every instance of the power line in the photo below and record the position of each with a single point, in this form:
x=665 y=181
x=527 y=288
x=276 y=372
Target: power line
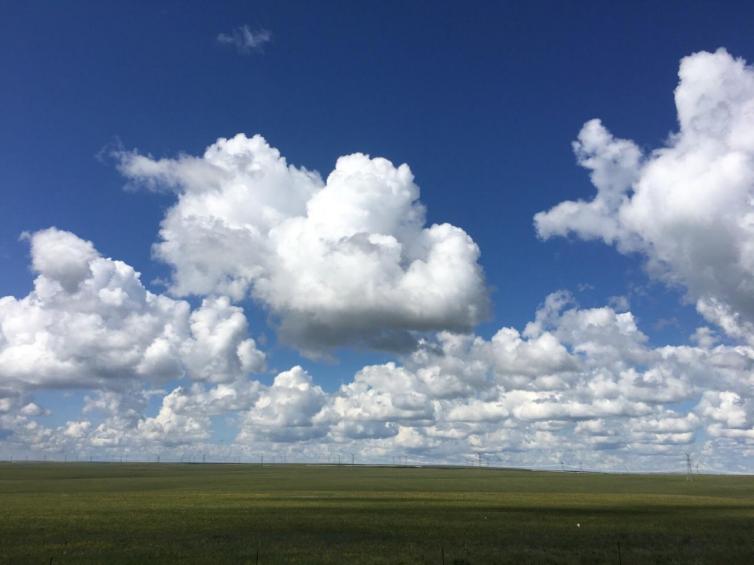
x=689 y=467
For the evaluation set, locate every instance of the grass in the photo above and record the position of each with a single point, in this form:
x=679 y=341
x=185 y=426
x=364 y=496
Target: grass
x=149 y=513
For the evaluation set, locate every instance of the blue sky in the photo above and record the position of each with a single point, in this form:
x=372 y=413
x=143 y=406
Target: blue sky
x=482 y=100
x=483 y=103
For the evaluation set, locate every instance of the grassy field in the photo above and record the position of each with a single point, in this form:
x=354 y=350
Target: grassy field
x=147 y=513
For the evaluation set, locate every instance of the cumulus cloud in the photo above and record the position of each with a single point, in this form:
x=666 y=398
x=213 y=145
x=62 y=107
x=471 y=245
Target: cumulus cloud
x=581 y=377
x=90 y=322
x=579 y=385
x=287 y=410
x=245 y=40
x=725 y=407
x=585 y=380
x=220 y=349
x=379 y=398
x=174 y=424
x=348 y=260
x=183 y=418
x=687 y=207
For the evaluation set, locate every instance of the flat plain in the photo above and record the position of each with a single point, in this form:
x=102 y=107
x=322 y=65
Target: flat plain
x=244 y=513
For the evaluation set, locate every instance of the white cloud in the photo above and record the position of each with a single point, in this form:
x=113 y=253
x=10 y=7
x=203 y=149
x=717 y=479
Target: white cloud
x=379 y=397
x=76 y=429
x=31 y=409
x=287 y=410
x=184 y=417
x=245 y=40
x=350 y=260
x=603 y=397
x=346 y=261
x=219 y=349
x=725 y=407
x=90 y=322
x=586 y=380
x=570 y=370
x=174 y=424
x=688 y=206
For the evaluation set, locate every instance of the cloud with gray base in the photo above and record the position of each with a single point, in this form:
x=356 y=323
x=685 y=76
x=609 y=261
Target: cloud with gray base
x=245 y=40
x=344 y=260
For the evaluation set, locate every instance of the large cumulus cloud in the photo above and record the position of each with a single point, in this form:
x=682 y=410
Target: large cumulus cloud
x=90 y=322
x=348 y=260
x=688 y=206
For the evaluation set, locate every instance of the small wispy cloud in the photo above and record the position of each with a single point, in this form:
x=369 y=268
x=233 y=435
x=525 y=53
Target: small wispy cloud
x=245 y=40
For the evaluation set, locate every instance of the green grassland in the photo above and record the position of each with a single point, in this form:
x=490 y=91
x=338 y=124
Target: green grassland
x=150 y=513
